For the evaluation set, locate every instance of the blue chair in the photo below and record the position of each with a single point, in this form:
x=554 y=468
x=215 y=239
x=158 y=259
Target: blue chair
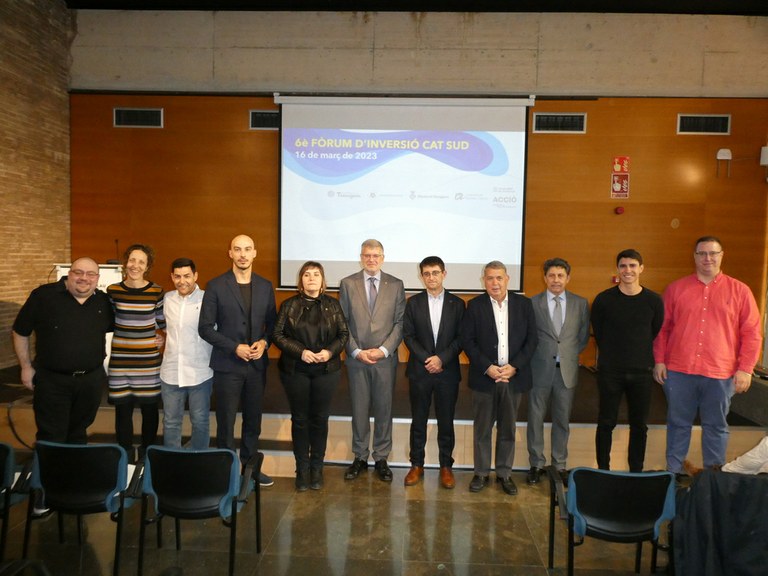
x=13 y=490
x=197 y=484
x=79 y=479
x=612 y=506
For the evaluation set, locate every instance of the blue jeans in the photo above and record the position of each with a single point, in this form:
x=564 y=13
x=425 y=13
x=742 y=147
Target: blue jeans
x=688 y=394
x=174 y=398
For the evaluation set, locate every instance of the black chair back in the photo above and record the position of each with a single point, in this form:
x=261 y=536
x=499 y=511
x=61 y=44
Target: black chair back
x=620 y=507
x=191 y=484
x=78 y=479
x=197 y=484
x=13 y=492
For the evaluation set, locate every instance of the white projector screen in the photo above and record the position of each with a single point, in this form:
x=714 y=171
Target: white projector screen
x=425 y=176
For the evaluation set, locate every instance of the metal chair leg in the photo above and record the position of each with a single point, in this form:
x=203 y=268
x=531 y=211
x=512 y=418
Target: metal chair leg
x=570 y=545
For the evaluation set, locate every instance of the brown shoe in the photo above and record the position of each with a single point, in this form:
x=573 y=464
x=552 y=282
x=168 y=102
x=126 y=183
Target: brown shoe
x=414 y=475
x=446 y=477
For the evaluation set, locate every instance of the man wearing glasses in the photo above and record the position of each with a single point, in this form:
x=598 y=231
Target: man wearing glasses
x=431 y=332
x=70 y=319
x=374 y=303
x=705 y=352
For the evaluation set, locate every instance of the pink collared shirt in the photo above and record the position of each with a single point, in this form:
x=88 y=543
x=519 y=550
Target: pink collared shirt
x=710 y=330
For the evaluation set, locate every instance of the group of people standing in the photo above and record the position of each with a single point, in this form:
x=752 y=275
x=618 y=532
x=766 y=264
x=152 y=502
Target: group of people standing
x=700 y=341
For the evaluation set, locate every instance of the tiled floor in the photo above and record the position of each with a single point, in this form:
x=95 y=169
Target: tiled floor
x=363 y=527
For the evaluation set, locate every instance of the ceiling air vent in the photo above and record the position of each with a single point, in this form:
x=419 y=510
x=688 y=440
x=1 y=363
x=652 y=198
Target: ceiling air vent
x=138 y=117
x=559 y=123
x=265 y=120
x=703 y=123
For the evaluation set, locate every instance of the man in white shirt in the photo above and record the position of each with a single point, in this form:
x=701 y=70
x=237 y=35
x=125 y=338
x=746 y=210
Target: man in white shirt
x=499 y=336
x=185 y=373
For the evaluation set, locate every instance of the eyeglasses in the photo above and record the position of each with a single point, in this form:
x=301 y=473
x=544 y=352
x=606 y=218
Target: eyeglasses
x=371 y=256
x=81 y=273
x=434 y=273
x=710 y=254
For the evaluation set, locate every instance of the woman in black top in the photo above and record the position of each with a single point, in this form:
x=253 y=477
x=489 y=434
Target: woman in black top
x=311 y=332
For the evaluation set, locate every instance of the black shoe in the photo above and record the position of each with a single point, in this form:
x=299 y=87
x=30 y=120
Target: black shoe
x=478 y=483
x=302 y=481
x=534 y=474
x=316 y=478
x=354 y=469
x=508 y=485
x=383 y=470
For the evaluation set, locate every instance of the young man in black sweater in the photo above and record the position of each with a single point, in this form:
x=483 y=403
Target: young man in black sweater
x=625 y=320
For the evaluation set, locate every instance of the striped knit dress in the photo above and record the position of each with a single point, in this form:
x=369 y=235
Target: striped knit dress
x=134 y=366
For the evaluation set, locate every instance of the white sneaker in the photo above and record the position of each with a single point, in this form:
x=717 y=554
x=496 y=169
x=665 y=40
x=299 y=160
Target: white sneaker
x=38 y=512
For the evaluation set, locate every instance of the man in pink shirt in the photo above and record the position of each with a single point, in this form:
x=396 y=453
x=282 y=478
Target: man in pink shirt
x=705 y=352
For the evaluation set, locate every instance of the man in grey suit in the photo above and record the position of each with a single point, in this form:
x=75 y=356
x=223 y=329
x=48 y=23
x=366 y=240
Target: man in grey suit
x=562 y=321
x=374 y=303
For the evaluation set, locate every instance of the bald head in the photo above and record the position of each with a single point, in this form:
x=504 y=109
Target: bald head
x=242 y=251
x=83 y=278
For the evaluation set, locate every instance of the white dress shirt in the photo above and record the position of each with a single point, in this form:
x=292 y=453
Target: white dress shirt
x=501 y=315
x=187 y=355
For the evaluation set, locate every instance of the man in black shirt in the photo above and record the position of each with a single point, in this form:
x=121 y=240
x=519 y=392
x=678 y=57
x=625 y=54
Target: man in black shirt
x=70 y=319
x=625 y=320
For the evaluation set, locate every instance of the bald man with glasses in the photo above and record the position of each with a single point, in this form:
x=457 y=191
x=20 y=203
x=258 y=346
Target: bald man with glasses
x=70 y=319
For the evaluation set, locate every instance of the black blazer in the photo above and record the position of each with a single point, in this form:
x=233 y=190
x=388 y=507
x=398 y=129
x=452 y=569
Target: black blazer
x=223 y=323
x=480 y=341
x=417 y=333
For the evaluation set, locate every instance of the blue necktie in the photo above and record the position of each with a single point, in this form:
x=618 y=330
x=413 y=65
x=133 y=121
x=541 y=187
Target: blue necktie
x=372 y=293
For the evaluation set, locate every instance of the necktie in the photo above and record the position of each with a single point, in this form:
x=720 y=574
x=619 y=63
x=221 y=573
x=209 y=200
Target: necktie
x=372 y=293
x=557 y=316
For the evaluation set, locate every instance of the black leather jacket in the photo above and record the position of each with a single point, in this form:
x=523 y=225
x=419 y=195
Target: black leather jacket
x=333 y=332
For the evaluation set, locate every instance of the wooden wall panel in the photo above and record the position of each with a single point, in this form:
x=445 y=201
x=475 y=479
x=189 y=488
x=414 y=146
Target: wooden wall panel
x=675 y=193
x=189 y=188
x=186 y=189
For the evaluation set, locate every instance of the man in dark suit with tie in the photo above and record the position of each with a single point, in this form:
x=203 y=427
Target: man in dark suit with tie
x=562 y=320
x=431 y=332
x=237 y=318
x=498 y=334
x=374 y=303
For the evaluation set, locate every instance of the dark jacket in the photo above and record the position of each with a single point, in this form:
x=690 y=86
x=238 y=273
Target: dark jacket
x=481 y=342
x=417 y=333
x=333 y=332
x=223 y=322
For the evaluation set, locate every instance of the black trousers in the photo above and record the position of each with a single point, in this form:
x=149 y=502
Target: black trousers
x=445 y=393
x=612 y=385
x=150 y=421
x=247 y=391
x=310 y=398
x=65 y=406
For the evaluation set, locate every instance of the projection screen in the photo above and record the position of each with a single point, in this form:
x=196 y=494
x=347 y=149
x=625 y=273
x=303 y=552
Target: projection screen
x=425 y=176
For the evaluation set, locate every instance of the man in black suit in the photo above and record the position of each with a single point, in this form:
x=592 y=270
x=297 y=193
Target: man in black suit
x=237 y=318
x=499 y=336
x=431 y=332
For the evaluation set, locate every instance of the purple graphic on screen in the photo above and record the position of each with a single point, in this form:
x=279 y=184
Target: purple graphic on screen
x=337 y=156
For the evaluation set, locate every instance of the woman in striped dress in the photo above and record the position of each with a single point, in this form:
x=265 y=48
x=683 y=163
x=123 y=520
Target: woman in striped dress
x=134 y=365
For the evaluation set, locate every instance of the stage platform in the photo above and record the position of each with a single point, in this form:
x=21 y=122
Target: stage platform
x=276 y=435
